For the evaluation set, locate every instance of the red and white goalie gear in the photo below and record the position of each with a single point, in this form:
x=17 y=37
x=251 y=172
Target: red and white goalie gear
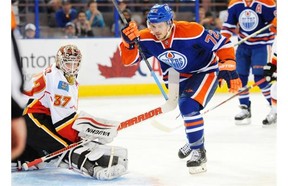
x=90 y=127
x=99 y=161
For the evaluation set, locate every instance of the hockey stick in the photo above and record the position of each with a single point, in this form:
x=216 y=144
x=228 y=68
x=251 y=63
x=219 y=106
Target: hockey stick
x=141 y=53
x=165 y=128
x=169 y=105
x=243 y=89
x=252 y=35
x=26 y=165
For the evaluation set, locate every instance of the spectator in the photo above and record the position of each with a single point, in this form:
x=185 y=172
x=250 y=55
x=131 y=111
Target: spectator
x=83 y=27
x=208 y=20
x=128 y=16
x=122 y=5
x=52 y=7
x=65 y=14
x=223 y=15
x=218 y=24
x=70 y=31
x=94 y=16
x=138 y=19
x=144 y=20
x=30 y=31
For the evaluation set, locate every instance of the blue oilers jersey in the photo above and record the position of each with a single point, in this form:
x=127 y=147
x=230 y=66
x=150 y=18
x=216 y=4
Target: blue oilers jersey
x=190 y=49
x=250 y=18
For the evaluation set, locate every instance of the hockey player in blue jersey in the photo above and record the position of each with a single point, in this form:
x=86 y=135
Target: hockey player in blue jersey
x=202 y=57
x=254 y=53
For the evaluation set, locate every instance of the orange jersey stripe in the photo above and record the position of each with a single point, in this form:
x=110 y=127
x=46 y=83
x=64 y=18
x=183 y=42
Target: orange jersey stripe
x=200 y=96
x=13 y=21
x=130 y=55
x=258 y=39
x=190 y=124
x=266 y=2
x=232 y=2
x=226 y=53
x=195 y=29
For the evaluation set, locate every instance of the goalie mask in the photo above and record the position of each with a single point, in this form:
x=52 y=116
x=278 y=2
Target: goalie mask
x=68 y=59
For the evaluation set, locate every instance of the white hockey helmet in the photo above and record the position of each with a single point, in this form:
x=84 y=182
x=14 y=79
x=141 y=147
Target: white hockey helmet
x=68 y=59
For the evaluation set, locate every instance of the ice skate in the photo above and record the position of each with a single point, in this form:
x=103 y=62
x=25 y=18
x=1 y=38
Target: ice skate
x=197 y=163
x=244 y=117
x=184 y=151
x=270 y=119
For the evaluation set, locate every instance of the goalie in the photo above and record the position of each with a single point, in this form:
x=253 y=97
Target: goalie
x=54 y=123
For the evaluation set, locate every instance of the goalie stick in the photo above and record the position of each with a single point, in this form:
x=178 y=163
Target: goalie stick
x=165 y=128
x=168 y=106
x=141 y=53
x=27 y=165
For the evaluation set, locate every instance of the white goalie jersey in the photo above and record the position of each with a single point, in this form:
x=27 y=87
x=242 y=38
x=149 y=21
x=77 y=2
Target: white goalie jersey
x=50 y=93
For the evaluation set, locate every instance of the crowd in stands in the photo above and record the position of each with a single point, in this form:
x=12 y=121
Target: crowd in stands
x=94 y=18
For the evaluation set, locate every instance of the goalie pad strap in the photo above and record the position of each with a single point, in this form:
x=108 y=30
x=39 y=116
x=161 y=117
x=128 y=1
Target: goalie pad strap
x=82 y=161
x=104 y=161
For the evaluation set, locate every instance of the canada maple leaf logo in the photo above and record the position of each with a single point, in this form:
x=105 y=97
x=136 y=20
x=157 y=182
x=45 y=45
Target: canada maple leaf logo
x=117 y=69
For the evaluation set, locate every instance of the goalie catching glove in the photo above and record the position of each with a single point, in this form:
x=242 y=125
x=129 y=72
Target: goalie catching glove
x=90 y=127
x=269 y=71
x=130 y=34
x=229 y=74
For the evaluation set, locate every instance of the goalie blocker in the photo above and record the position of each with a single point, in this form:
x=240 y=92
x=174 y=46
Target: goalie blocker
x=101 y=129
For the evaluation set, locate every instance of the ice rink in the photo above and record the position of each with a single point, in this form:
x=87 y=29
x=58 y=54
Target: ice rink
x=237 y=155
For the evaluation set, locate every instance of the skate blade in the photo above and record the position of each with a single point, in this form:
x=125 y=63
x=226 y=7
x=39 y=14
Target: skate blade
x=197 y=170
x=243 y=122
x=271 y=125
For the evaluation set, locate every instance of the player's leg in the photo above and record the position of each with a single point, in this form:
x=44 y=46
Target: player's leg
x=260 y=57
x=203 y=87
x=243 y=58
x=272 y=115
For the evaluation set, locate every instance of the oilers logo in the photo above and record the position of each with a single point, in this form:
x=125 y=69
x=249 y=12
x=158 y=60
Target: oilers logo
x=248 y=20
x=174 y=59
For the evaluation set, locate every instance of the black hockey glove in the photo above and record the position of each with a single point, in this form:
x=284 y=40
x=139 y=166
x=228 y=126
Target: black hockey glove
x=269 y=71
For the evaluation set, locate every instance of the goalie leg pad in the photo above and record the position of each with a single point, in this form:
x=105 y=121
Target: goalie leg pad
x=102 y=162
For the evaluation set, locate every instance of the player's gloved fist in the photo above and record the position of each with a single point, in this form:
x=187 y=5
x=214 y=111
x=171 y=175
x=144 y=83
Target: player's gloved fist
x=273 y=27
x=130 y=33
x=229 y=74
x=269 y=71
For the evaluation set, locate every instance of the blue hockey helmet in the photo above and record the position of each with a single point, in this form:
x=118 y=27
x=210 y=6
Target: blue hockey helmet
x=160 y=13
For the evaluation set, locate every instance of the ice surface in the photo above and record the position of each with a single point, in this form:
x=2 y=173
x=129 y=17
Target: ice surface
x=237 y=155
